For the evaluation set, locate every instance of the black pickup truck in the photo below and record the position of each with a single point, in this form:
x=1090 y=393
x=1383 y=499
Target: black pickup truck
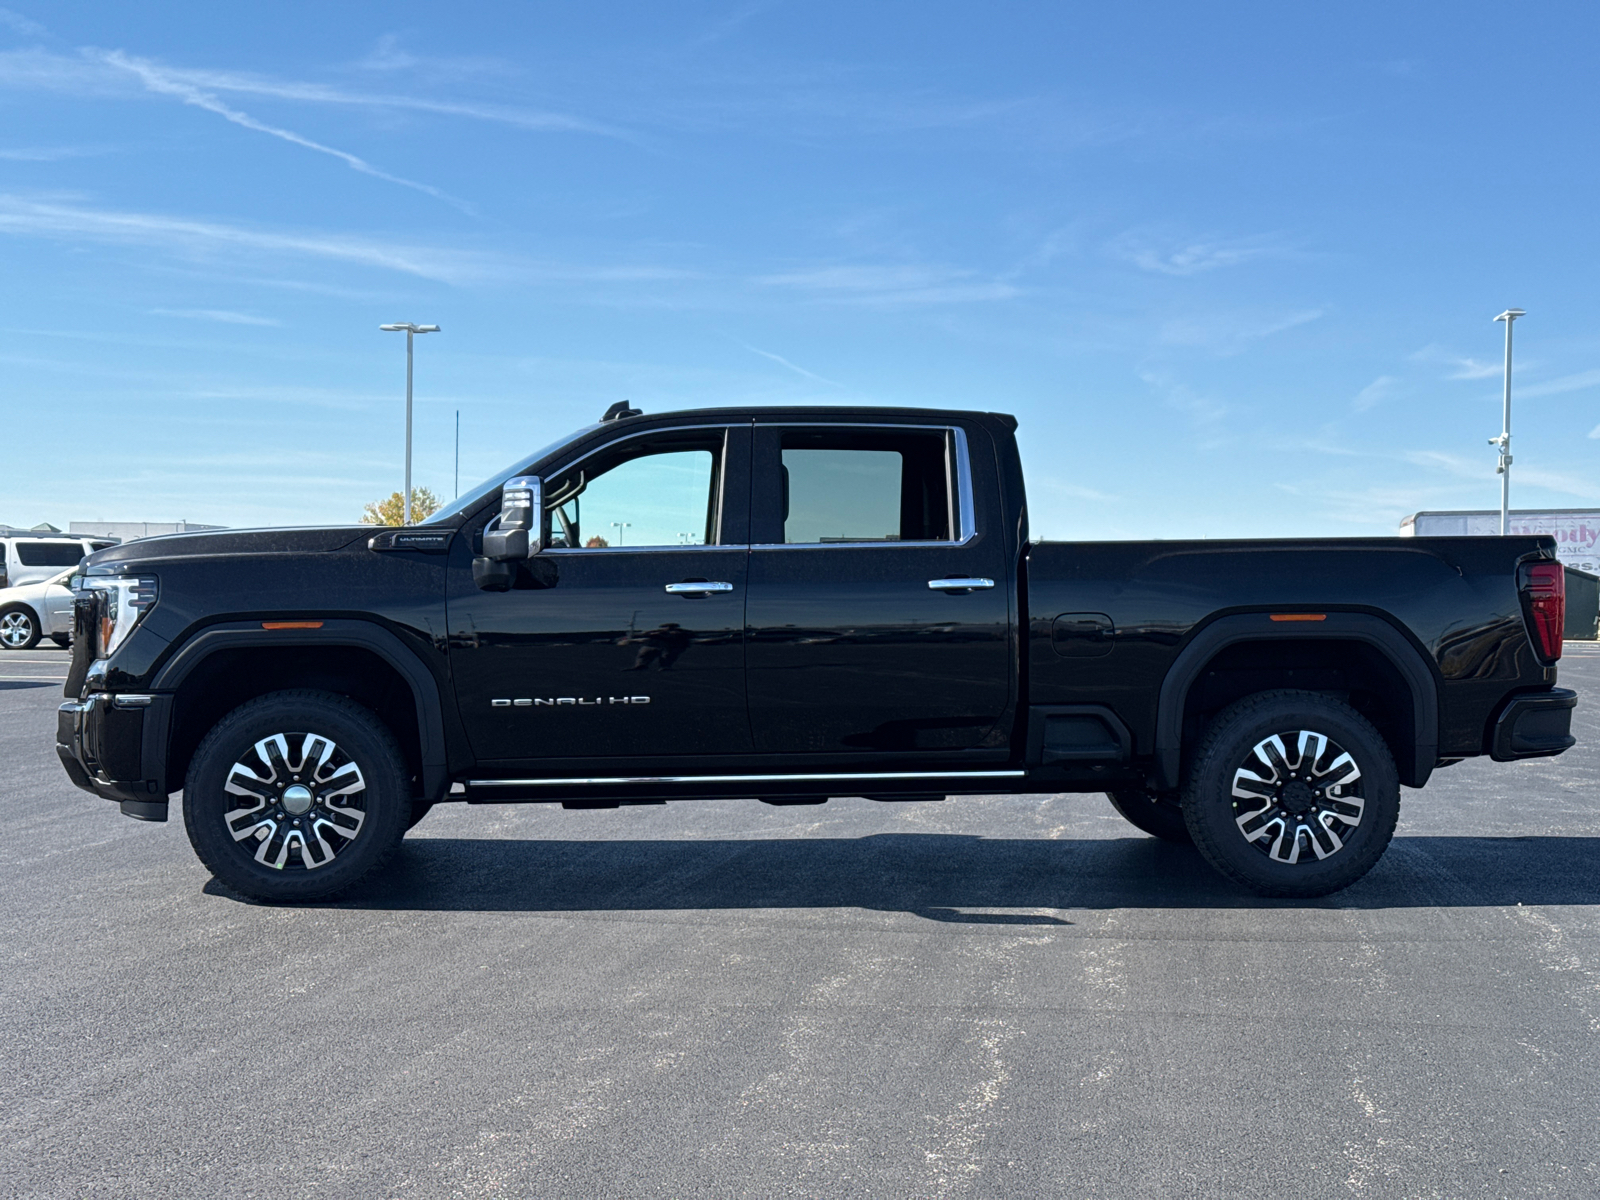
x=791 y=604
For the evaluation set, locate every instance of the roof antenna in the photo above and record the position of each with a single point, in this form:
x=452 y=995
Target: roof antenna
x=621 y=409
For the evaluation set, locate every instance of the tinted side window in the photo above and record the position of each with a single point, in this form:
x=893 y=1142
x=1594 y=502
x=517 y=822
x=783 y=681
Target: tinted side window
x=865 y=486
x=49 y=554
x=643 y=493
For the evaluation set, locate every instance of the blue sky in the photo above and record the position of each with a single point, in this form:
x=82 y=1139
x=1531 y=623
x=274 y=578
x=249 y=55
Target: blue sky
x=1232 y=265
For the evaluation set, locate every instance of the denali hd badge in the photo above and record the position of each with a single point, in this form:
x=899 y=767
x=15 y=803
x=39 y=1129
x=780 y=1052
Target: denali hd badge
x=584 y=701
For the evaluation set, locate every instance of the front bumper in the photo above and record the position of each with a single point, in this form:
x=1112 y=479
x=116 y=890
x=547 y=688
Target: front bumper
x=115 y=746
x=1534 y=725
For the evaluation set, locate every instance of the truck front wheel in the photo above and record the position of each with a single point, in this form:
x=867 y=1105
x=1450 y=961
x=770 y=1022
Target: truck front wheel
x=296 y=796
x=1292 y=794
x=1157 y=813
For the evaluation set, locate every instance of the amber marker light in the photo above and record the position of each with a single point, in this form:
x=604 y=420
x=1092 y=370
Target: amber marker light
x=1299 y=616
x=291 y=624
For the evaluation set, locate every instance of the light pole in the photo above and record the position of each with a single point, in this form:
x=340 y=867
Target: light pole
x=619 y=526
x=410 y=332
x=1504 y=440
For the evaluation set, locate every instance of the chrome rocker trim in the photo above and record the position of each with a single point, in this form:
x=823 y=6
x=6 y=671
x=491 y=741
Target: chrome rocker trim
x=841 y=776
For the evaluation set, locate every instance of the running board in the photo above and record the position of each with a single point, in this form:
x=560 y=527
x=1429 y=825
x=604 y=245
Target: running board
x=834 y=777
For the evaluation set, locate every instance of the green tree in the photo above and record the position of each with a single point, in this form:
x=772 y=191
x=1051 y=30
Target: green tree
x=392 y=509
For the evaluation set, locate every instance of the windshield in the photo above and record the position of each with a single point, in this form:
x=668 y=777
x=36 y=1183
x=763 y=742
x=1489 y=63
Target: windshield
x=469 y=500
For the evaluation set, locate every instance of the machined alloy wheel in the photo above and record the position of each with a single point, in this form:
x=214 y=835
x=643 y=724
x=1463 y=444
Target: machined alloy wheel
x=301 y=800
x=19 y=629
x=1298 y=792
x=296 y=796
x=1292 y=793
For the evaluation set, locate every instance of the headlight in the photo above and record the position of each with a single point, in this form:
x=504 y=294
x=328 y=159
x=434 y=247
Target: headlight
x=122 y=601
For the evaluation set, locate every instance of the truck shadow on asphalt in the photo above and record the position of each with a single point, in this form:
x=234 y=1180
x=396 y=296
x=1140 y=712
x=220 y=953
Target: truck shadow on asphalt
x=941 y=876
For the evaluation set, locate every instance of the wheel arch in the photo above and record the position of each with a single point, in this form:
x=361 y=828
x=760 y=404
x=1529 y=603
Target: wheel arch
x=226 y=665
x=1413 y=730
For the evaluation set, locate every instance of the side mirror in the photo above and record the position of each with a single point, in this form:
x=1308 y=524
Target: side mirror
x=517 y=533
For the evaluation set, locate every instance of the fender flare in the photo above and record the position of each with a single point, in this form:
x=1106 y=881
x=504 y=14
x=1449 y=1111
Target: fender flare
x=1401 y=653
x=334 y=632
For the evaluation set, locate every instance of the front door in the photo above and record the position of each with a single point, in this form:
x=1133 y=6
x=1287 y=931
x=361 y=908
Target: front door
x=879 y=610
x=624 y=638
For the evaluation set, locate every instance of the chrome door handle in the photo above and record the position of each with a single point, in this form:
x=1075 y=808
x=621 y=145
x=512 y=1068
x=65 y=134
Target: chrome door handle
x=959 y=585
x=698 y=588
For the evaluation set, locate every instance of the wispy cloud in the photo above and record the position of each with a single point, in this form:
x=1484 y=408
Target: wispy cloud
x=1460 y=366
x=1567 y=383
x=1231 y=333
x=18 y=23
x=239 y=83
x=387 y=56
x=1555 y=481
x=49 y=153
x=89 y=73
x=892 y=285
x=1452 y=464
x=1168 y=256
x=1374 y=393
x=69 y=220
x=166 y=83
x=798 y=370
x=1202 y=410
x=1075 y=490
x=222 y=315
x=63 y=221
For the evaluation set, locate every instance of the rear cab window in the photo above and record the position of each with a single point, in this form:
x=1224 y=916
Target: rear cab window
x=843 y=485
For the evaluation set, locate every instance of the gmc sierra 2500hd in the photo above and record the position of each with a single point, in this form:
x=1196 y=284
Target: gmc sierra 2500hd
x=788 y=605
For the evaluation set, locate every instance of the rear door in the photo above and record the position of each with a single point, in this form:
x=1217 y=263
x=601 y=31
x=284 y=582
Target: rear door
x=878 y=616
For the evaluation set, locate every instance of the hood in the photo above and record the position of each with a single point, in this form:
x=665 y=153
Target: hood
x=232 y=542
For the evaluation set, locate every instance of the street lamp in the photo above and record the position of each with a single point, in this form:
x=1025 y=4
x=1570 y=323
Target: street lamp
x=410 y=331
x=1504 y=440
x=619 y=526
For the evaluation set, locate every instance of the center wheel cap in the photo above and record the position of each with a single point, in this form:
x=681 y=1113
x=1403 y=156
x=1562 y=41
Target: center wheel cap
x=1298 y=798
x=297 y=799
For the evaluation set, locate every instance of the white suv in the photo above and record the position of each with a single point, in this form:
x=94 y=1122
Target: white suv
x=29 y=558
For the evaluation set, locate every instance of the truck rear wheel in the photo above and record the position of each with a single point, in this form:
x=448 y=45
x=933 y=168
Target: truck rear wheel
x=296 y=796
x=1292 y=794
x=1157 y=813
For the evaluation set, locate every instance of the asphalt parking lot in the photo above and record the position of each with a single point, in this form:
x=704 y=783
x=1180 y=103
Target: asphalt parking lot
x=1003 y=996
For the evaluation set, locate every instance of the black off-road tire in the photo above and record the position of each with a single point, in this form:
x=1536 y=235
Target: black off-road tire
x=1213 y=812
x=1157 y=813
x=21 y=627
x=62 y=639
x=358 y=736
x=419 y=809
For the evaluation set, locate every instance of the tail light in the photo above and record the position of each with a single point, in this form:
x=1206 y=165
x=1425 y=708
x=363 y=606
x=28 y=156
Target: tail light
x=1544 y=594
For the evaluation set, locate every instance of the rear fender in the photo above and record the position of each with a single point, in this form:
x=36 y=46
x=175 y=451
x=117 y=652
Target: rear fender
x=1414 y=767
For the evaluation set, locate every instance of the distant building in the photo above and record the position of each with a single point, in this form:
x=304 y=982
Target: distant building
x=128 y=531
x=1576 y=530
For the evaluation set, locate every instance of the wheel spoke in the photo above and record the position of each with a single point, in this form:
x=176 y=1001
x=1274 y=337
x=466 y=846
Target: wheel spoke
x=1271 y=752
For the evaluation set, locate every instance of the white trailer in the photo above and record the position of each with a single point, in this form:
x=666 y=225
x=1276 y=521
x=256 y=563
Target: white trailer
x=1576 y=530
